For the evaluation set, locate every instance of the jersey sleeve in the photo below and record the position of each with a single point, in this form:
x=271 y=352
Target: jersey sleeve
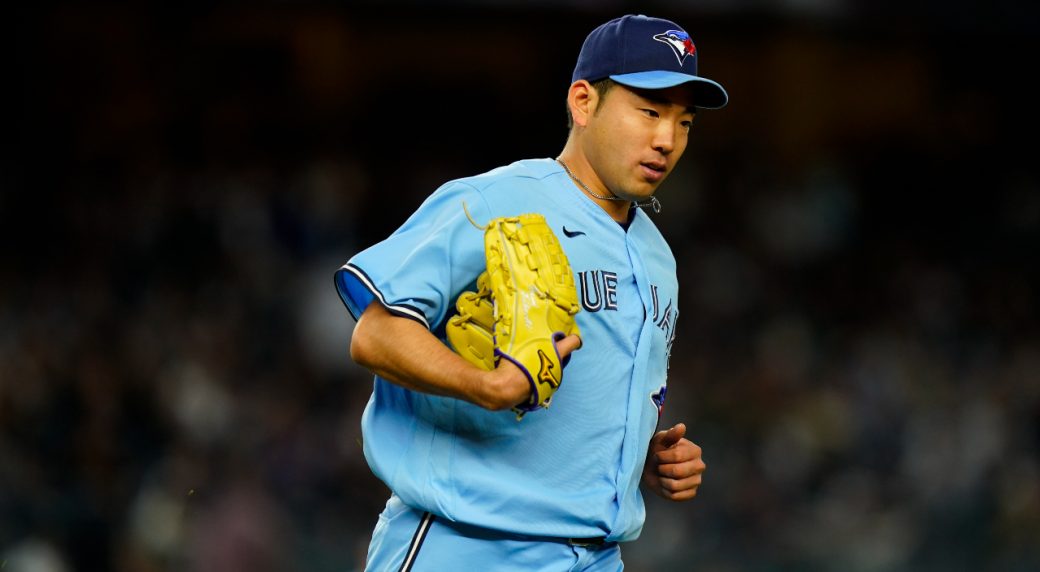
x=419 y=270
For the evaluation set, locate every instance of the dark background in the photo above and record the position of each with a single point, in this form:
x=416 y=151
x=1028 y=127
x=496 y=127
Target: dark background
x=857 y=234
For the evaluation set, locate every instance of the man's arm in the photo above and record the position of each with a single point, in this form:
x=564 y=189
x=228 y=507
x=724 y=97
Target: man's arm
x=406 y=353
x=673 y=465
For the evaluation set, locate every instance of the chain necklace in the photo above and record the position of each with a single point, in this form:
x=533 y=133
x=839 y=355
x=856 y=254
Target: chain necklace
x=653 y=203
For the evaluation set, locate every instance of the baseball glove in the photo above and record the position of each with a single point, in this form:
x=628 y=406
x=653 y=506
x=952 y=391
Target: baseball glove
x=524 y=303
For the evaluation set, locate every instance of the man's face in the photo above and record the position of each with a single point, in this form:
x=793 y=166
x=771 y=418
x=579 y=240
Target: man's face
x=635 y=137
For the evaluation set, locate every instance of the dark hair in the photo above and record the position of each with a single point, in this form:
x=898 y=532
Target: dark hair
x=602 y=86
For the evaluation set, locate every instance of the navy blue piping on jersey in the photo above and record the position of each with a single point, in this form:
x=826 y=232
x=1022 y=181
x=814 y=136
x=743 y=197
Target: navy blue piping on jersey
x=417 y=541
x=344 y=287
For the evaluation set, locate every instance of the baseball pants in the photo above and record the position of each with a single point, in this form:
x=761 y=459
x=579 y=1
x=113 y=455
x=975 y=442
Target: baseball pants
x=410 y=540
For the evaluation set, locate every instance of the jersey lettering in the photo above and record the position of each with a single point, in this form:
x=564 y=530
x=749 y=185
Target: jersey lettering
x=668 y=351
x=587 y=291
x=653 y=296
x=664 y=319
x=609 y=290
x=598 y=290
x=665 y=323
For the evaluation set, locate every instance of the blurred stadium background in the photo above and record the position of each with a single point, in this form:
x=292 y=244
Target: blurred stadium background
x=857 y=234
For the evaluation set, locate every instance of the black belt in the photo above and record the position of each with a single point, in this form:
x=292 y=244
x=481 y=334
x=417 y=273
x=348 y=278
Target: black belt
x=592 y=541
x=468 y=529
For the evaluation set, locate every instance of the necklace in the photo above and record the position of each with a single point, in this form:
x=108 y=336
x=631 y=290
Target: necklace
x=653 y=203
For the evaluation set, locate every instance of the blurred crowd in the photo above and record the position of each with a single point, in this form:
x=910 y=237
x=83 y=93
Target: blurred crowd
x=858 y=349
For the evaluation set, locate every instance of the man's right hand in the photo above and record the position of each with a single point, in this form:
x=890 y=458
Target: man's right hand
x=506 y=385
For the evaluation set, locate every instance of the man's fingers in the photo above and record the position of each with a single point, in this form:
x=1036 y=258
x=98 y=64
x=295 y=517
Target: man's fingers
x=680 y=485
x=677 y=464
x=682 y=470
x=683 y=495
x=568 y=345
x=685 y=451
x=673 y=435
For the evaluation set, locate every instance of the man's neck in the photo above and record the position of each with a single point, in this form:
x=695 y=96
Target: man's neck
x=588 y=182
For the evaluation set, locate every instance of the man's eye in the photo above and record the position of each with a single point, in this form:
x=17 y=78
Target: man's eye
x=687 y=125
x=650 y=113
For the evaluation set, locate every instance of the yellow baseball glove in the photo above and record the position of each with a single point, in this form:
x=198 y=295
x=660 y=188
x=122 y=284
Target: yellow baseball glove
x=524 y=303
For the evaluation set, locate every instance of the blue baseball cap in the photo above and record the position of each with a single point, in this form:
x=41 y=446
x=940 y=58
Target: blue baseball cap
x=647 y=53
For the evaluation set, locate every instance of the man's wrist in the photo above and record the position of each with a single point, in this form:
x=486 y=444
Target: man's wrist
x=500 y=388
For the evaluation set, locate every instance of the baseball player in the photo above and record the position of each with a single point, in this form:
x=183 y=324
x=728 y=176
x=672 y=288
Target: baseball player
x=473 y=487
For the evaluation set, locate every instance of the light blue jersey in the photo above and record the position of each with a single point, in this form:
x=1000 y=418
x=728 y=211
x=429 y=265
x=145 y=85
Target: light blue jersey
x=574 y=469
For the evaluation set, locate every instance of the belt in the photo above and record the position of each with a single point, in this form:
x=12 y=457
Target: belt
x=592 y=541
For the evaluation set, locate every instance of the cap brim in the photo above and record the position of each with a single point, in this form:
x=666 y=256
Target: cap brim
x=707 y=93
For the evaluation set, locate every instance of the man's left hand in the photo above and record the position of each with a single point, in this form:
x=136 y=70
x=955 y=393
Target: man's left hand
x=673 y=465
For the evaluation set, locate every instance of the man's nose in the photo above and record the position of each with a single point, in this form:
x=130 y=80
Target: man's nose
x=664 y=138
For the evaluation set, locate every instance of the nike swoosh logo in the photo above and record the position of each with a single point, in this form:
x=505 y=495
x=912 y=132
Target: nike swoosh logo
x=572 y=233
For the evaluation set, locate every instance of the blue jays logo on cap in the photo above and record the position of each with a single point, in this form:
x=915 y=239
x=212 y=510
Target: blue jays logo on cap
x=628 y=50
x=680 y=43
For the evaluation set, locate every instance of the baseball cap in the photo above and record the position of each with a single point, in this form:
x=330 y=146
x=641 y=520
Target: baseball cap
x=649 y=53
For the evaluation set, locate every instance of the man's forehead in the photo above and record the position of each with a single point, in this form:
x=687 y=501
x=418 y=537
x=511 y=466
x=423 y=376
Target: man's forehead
x=678 y=95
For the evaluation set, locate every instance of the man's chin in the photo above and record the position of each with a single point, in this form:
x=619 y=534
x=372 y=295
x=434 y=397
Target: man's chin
x=642 y=194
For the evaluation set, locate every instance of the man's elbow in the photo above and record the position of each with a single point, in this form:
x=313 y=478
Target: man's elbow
x=359 y=347
x=361 y=342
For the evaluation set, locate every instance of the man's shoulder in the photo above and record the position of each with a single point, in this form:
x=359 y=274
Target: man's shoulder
x=521 y=173
x=502 y=191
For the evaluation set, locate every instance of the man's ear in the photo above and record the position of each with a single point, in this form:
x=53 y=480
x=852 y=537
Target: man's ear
x=582 y=99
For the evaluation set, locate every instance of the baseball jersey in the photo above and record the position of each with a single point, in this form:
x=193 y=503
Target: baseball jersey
x=572 y=470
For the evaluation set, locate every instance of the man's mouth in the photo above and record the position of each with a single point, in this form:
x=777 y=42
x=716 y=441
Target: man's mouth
x=653 y=170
